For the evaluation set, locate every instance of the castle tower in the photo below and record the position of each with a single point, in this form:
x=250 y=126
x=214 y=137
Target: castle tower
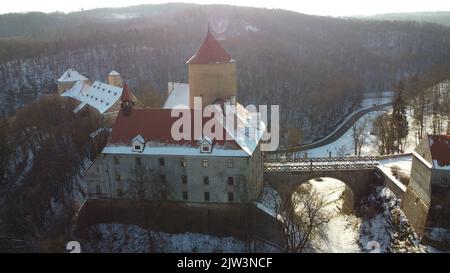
x=68 y=79
x=212 y=73
x=127 y=101
x=114 y=78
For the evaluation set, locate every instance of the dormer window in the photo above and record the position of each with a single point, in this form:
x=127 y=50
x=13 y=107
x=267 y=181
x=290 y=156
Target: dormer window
x=206 y=145
x=138 y=144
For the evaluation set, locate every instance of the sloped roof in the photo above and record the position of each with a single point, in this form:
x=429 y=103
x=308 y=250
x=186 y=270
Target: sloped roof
x=179 y=97
x=114 y=73
x=71 y=75
x=440 y=150
x=100 y=96
x=126 y=94
x=155 y=126
x=210 y=52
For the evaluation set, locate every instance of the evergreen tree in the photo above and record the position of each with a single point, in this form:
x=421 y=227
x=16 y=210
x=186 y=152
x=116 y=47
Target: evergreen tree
x=400 y=121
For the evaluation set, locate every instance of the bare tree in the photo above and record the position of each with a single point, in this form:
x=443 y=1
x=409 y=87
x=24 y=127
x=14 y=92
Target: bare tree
x=359 y=135
x=385 y=133
x=302 y=219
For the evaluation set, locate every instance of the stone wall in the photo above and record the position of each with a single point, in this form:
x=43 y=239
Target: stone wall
x=359 y=181
x=120 y=176
x=416 y=201
x=212 y=81
x=242 y=221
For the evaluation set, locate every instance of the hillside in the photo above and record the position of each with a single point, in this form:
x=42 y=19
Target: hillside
x=316 y=68
x=438 y=17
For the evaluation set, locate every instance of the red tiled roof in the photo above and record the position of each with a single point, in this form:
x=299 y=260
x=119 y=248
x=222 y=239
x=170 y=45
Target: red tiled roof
x=440 y=149
x=126 y=94
x=210 y=52
x=155 y=125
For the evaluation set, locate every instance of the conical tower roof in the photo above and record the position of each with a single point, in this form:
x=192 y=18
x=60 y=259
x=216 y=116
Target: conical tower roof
x=210 y=52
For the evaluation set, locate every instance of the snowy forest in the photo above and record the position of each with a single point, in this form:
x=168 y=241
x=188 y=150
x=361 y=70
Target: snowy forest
x=316 y=68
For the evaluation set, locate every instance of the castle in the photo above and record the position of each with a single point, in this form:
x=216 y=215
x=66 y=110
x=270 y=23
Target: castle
x=427 y=198
x=103 y=98
x=143 y=160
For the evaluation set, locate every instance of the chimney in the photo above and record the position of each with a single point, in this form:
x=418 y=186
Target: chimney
x=233 y=100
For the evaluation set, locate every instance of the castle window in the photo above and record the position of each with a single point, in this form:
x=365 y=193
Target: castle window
x=184 y=179
x=230 y=181
x=444 y=182
x=109 y=91
x=163 y=178
x=117 y=177
x=206 y=196
x=98 y=189
x=115 y=94
x=206 y=180
x=230 y=163
x=205 y=163
x=185 y=196
x=116 y=160
x=183 y=163
x=230 y=197
x=161 y=161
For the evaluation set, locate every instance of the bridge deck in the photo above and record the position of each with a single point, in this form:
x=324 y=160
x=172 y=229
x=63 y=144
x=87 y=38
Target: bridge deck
x=321 y=164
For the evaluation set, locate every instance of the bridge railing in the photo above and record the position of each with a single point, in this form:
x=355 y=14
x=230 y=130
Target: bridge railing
x=322 y=159
x=318 y=167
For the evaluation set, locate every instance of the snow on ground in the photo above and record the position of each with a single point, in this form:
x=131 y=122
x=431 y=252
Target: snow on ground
x=118 y=238
x=269 y=202
x=369 y=102
x=385 y=226
x=342 y=230
x=344 y=145
x=403 y=163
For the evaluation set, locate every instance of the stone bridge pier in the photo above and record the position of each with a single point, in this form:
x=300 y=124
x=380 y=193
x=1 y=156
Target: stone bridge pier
x=360 y=181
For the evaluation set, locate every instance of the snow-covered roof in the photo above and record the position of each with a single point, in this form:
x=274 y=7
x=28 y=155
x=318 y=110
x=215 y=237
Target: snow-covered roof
x=100 y=96
x=249 y=129
x=114 y=73
x=179 y=97
x=155 y=125
x=76 y=89
x=174 y=150
x=71 y=75
x=139 y=139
